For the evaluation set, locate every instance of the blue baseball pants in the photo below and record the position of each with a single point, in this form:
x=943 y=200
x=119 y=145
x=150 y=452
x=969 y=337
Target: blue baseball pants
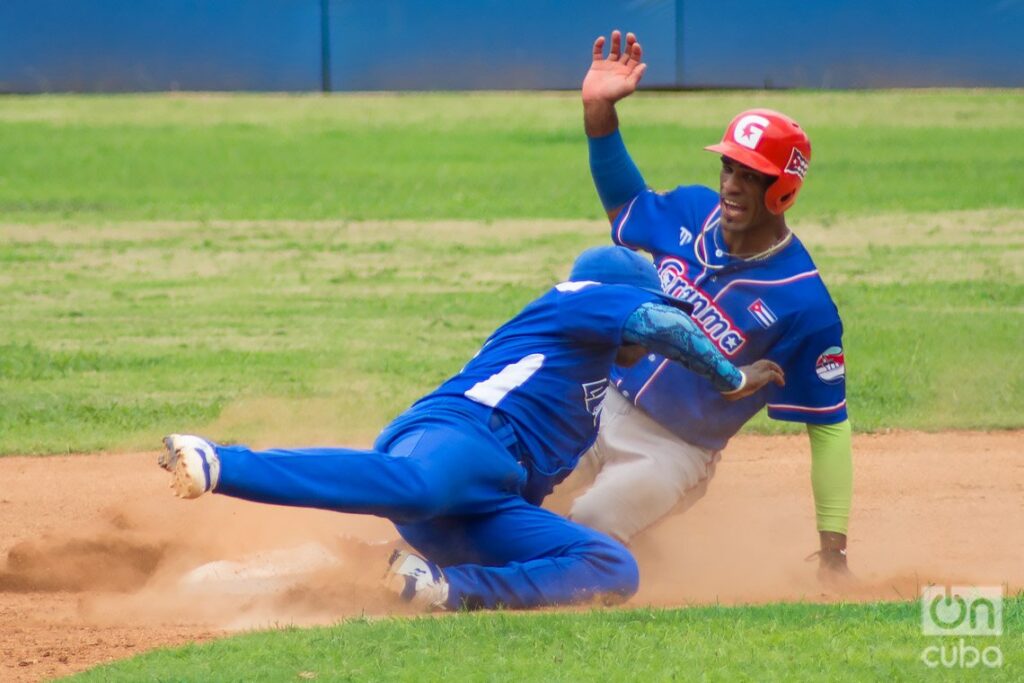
x=454 y=493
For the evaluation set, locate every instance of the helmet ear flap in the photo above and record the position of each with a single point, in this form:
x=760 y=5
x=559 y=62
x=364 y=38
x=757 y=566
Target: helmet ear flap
x=781 y=194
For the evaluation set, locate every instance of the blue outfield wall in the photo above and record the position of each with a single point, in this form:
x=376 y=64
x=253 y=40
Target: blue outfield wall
x=302 y=45
x=141 y=45
x=488 y=44
x=853 y=43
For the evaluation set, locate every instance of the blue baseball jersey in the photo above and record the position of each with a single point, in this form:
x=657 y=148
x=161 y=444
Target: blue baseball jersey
x=776 y=308
x=546 y=370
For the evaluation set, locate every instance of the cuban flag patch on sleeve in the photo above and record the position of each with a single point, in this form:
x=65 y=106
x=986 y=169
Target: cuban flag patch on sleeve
x=830 y=366
x=762 y=314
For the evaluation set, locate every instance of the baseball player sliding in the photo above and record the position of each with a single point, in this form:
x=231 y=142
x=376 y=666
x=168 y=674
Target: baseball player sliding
x=756 y=293
x=462 y=472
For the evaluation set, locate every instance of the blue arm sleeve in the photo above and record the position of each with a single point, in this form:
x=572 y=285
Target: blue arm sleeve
x=616 y=177
x=671 y=333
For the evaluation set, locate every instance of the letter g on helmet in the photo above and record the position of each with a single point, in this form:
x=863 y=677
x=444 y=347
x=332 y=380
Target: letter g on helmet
x=773 y=144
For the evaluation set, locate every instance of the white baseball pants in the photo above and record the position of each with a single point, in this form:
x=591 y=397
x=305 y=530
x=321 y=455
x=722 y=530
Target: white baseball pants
x=641 y=472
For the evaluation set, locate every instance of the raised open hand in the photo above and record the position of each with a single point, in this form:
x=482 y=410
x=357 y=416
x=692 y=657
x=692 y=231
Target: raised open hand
x=612 y=78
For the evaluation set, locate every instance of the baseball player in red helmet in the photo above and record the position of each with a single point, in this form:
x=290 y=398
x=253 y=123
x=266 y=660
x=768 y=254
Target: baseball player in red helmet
x=755 y=291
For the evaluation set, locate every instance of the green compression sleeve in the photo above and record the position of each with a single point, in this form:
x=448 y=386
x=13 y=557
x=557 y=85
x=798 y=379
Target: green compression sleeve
x=832 y=474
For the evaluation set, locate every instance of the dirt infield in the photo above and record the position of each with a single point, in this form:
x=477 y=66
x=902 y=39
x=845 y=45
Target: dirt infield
x=95 y=546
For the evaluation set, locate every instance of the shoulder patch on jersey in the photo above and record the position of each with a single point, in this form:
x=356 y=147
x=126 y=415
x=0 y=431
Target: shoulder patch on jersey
x=830 y=366
x=762 y=314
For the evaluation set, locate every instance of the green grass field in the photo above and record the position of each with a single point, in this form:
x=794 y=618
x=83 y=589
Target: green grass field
x=230 y=265
x=476 y=156
x=298 y=269
x=771 y=642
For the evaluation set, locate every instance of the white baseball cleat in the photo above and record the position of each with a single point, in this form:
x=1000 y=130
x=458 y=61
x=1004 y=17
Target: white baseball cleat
x=193 y=462
x=417 y=580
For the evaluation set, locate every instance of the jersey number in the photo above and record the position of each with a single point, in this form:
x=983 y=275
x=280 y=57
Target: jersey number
x=492 y=390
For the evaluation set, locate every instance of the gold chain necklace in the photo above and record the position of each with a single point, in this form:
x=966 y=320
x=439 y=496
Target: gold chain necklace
x=777 y=247
x=762 y=255
x=700 y=244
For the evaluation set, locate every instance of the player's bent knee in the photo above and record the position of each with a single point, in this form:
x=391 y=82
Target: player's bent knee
x=625 y=583
x=600 y=518
x=617 y=569
x=628 y=573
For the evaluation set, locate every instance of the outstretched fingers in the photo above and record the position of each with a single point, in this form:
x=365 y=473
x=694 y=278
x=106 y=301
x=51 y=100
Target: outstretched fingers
x=616 y=50
x=627 y=52
x=633 y=49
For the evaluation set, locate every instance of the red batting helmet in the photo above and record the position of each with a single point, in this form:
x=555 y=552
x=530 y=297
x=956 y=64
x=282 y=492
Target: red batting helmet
x=773 y=144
